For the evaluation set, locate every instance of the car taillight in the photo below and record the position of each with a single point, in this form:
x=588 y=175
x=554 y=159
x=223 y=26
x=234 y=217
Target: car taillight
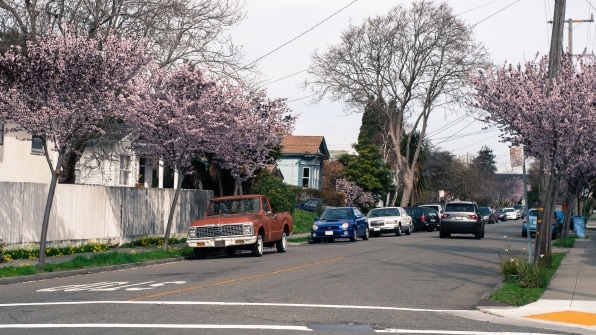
x=473 y=216
x=444 y=216
x=423 y=218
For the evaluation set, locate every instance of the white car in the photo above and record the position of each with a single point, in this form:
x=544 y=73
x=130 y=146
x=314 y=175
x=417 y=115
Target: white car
x=436 y=207
x=389 y=220
x=511 y=213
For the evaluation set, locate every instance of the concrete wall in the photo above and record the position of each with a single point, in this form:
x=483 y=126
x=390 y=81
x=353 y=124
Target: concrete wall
x=82 y=213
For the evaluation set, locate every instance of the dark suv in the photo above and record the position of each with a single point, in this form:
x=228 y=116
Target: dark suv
x=461 y=217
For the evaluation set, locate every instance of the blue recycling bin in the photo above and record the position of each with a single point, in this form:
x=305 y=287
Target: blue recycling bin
x=579 y=226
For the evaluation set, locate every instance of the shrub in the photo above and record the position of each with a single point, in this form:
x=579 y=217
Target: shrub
x=281 y=197
x=516 y=267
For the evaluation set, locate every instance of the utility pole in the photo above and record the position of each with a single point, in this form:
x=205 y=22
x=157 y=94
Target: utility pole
x=570 y=23
x=547 y=194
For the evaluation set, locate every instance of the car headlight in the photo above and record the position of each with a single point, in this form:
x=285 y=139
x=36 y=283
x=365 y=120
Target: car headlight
x=192 y=233
x=247 y=229
x=315 y=227
x=345 y=225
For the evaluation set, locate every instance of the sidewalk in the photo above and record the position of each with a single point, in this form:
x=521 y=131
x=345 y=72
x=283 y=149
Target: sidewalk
x=569 y=303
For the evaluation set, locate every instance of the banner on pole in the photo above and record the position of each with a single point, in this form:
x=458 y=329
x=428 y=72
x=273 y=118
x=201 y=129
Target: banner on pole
x=516 y=156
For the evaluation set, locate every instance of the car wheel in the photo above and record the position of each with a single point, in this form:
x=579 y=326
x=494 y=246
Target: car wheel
x=355 y=236
x=478 y=235
x=199 y=253
x=409 y=231
x=398 y=230
x=366 y=234
x=482 y=233
x=524 y=233
x=282 y=244
x=257 y=248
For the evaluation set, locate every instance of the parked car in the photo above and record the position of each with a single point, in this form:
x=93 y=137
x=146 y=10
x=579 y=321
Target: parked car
x=310 y=204
x=389 y=220
x=511 y=213
x=502 y=214
x=461 y=217
x=521 y=210
x=340 y=222
x=530 y=221
x=437 y=207
x=424 y=218
x=489 y=215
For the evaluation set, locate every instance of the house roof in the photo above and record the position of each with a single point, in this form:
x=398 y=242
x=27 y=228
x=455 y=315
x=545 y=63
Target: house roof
x=304 y=145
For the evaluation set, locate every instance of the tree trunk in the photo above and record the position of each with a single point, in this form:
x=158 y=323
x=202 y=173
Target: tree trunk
x=408 y=179
x=166 y=238
x=48 y=209
x=567 y=223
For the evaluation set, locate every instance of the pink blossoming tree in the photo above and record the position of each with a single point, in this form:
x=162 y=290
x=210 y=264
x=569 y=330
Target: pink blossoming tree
x=354 y=194
x=184 y=115
x=256 y=126
x=553 y=120
x=63 y=88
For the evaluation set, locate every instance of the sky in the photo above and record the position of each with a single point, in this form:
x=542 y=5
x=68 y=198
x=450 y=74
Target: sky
x=282 y=35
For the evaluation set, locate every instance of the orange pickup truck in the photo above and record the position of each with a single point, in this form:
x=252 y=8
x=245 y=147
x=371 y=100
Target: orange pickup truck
x=243 y=222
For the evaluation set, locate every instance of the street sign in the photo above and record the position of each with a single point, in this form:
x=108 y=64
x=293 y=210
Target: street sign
x=516 y=156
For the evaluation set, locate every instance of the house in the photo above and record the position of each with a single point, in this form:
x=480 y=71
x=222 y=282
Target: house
x=301 y=161
x=106 y=163
x=22 y=158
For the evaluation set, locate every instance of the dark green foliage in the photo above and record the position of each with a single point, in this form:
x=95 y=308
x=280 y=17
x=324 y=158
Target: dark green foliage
x=303 y=220
x=281 y=196
x=485 y=162
x=367 y=169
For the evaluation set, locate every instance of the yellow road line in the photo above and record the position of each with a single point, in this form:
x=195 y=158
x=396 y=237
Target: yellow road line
x=233 y=280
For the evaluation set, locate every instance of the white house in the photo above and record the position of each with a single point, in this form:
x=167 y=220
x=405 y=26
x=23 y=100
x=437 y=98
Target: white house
x=108 y=163
x=301 y=161
x=22 y=158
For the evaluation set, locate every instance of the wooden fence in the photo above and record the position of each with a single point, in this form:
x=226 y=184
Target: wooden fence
x=83 y=213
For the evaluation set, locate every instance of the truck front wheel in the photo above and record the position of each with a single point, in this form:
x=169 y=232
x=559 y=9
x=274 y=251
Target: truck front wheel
x=282 y=244
x=257 y=248
x=199 y=253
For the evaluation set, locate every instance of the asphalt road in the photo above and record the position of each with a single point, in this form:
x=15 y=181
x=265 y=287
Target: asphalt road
x=394 y=284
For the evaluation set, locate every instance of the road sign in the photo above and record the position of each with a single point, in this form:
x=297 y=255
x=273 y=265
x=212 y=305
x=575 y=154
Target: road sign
x=516 y=156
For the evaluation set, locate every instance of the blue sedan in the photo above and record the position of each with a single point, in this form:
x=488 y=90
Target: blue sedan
x=340 y=222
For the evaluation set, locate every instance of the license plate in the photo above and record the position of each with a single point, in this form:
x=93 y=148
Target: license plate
x=376 y=229
x=459 y=217
x=329 y=232
x=433 y=220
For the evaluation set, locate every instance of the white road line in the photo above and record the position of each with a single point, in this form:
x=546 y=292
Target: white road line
x=141 y=325
x=243 y=327
x=227 y=304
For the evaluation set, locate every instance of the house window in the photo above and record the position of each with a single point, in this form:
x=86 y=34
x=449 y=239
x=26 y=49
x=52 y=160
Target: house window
x=124 y=169
x=36 y=145
x=305 y=176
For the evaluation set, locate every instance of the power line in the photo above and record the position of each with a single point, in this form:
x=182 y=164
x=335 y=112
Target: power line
x=295 y=38
x=495 y=13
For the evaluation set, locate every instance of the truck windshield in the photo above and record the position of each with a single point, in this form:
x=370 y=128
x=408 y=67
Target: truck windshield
x=234 y=206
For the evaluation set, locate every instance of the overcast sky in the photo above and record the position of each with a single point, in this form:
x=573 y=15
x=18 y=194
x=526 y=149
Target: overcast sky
x=283 y=34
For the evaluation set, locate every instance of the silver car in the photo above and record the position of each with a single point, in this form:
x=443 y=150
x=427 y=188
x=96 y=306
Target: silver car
x=461 y=217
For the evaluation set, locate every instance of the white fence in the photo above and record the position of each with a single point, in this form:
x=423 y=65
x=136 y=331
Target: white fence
x=82 y=213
